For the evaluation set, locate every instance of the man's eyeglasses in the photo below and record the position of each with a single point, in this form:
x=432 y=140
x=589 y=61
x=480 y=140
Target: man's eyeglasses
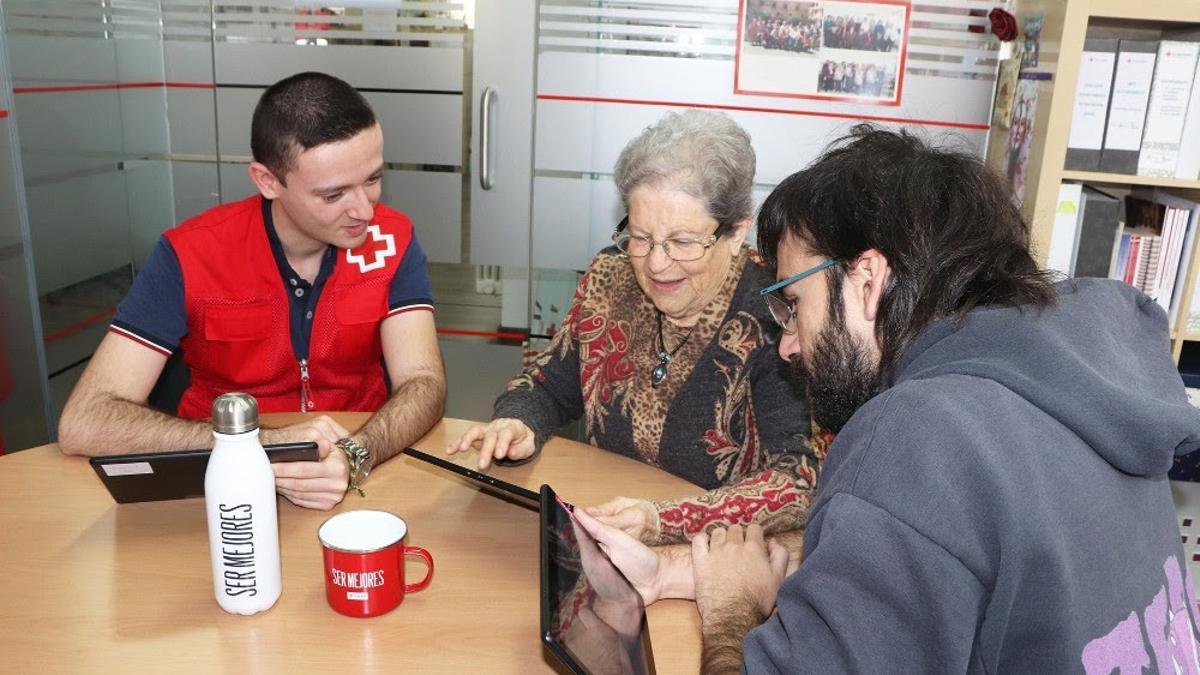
x=679 y=249
x=782 y=309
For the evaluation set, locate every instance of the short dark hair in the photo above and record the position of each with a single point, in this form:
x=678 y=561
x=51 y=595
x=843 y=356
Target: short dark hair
x=951 y=233
x=302 y=112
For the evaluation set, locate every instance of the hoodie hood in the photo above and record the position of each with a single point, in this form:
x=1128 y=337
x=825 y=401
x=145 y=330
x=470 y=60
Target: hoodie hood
x=1098 y=362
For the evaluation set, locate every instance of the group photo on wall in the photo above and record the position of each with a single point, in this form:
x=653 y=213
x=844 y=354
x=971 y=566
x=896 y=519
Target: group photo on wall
x=818 y=49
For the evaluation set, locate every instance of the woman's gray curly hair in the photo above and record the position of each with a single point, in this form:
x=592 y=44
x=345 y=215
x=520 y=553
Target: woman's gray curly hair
x=699 y=152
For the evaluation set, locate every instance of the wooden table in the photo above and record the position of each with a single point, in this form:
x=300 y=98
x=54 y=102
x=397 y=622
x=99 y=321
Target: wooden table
x=87 y=585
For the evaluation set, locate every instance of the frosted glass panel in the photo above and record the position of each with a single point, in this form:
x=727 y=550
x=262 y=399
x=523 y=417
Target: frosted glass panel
x=194 y=188
x=23 y=391
x=561 y=206
x=80 y=227
x=404 y=68
x=68 y=131
x=235 y=182
x=417 y=128
x=503 y=71
x=192 y=122
x=151 y=205
x=432 y=201
x=90 y=108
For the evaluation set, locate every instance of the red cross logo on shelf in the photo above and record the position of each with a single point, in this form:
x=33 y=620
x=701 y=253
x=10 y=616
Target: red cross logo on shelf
x=378 y=247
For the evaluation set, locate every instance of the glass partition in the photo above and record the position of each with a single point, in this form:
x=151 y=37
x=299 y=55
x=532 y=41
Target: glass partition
x=90 y=109
x=23 y=389
x=134 y=116
x=502 y=123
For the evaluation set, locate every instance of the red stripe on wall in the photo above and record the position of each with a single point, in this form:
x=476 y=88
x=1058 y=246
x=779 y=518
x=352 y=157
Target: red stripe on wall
x=79 y=325
x=111 y=85
x=3 y=114
x=782 y=111
x=482 y=333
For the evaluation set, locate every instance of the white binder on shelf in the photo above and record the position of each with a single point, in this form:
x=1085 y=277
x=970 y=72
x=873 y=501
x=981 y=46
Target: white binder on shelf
x=1060 y=255
x=1188 y=164
x=1086 y=138
x=1127 y=106
x=1173 y=73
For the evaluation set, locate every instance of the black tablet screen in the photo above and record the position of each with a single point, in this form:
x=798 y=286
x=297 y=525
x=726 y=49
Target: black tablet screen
x=592 y=618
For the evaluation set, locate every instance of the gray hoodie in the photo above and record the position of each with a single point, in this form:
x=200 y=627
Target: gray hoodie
x=1003 y=506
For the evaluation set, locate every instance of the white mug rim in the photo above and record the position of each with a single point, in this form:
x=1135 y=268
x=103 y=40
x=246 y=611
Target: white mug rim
x=325 y=544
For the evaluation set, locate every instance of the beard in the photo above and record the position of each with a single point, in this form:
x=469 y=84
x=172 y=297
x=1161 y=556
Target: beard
x=841 y=377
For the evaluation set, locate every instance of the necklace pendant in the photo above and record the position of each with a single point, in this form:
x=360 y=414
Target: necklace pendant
x=658 y=374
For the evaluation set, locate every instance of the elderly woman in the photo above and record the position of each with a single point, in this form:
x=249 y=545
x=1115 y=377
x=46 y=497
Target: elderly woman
x=667 y=351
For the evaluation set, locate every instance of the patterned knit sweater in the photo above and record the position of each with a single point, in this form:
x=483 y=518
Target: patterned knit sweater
x=725 y=417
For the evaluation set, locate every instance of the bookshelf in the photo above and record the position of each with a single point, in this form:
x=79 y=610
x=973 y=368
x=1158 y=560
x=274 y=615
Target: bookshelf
x=1172 y=11
x=1124 y=179
x=1067 y=24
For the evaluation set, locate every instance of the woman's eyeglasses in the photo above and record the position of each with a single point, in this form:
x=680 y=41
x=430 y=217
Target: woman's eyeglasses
x=679 y=249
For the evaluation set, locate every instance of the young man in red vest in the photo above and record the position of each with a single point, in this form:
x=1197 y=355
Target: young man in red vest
x=310 y=296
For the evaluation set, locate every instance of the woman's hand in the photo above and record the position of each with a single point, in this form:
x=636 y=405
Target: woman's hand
x=636 y=517
x=504 y=438
x=662 y=572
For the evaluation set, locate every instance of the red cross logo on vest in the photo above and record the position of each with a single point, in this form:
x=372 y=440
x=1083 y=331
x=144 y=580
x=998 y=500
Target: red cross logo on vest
x=378 y=247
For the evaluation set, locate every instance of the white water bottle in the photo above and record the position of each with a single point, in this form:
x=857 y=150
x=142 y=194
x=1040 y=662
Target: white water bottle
x=243 y=524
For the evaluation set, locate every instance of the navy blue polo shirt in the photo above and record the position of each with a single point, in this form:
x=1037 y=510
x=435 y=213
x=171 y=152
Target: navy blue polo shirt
x=154 y=312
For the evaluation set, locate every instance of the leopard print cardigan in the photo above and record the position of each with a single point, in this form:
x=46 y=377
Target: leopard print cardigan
x=725 y=418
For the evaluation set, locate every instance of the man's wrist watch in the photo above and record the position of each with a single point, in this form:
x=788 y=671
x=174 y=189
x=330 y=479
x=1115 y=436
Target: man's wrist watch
x=359 y=458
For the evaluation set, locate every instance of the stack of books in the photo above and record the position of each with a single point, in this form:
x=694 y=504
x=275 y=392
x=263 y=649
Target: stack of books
x=1144 y=240
x=1152 y=247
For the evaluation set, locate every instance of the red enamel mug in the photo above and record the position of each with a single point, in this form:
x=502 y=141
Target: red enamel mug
x=364 y=562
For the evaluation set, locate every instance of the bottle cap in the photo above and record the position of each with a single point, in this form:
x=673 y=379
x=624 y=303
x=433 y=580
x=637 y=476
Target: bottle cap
x=234 y=413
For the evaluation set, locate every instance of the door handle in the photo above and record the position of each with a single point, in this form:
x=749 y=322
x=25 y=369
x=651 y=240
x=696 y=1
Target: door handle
x=485 y=138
